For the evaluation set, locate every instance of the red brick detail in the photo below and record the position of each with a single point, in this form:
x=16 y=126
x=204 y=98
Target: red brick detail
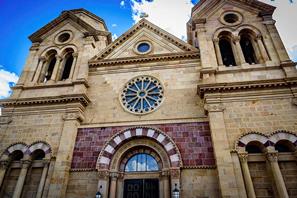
x=192 y=139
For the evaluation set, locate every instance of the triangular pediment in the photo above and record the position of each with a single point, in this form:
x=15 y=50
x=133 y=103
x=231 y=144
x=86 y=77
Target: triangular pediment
x=206 y=8
x=162 y=43
x=76 y=18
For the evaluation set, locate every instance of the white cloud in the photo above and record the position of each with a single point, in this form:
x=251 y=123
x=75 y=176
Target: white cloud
x=114 y=37
x=122 y=3
x=285 y=16
x=171 y=15
x=114 y=25
x=7 y=79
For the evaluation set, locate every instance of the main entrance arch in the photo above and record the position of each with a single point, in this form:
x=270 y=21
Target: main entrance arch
x=112 y=160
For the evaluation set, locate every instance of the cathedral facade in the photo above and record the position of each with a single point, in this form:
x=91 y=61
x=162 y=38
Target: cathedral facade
x=152 y=116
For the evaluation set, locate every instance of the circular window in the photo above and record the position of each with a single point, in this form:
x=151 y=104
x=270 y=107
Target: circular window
x=64 y=37
x=142 y=95
x=231 y=18
x=143 y=47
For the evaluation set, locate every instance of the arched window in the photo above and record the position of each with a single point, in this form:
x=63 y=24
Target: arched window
x=16 y=155
x=38 y=154
x=67 y=66
x=50 y=68
x=141 y=162
x=246 y=43
x=254 y=147
x=284 y=146
x=226 y=49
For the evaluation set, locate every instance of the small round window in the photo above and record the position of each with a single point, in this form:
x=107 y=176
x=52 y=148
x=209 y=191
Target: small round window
x=231 y=18
x=64 y=37
x=143 y=47
x=142 y=95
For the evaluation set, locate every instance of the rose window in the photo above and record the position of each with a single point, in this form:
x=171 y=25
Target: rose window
x=142 y=94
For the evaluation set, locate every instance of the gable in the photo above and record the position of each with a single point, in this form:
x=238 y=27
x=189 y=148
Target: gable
x=206 y=8
x=161 y=43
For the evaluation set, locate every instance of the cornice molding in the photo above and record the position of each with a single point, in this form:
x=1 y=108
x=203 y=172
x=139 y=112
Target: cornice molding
x=145 y=59
x=247 y=85
x=81 y=98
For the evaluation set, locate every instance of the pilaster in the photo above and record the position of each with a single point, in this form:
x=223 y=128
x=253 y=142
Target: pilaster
x=225 y=167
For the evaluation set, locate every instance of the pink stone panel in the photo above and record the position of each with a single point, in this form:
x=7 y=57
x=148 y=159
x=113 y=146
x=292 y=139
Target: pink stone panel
x=192 y=139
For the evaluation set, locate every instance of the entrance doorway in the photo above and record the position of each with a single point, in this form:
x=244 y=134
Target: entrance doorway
x=141 y=188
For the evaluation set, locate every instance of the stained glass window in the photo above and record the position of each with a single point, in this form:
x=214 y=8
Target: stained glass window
x=141 y=162
x=143 y=47
x=142 y=94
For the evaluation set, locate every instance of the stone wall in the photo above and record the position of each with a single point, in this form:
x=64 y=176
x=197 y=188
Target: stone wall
x=199 y=183
x=265 y=116
x=192 y=139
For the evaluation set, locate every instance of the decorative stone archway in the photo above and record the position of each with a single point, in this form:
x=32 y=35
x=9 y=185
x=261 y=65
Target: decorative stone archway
x=112 y=157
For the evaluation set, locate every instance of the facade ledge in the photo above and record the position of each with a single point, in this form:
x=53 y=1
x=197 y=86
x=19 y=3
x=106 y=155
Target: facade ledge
x=81 y=98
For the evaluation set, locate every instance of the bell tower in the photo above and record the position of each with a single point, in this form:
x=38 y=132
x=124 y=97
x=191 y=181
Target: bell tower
x=243 y=61
x=60 y=52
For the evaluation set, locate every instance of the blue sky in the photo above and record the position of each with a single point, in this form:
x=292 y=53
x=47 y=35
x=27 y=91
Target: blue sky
x=21 y=18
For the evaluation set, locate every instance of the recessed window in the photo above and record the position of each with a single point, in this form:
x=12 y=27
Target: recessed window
x=64 y=37
x=143 y=47
x=231 y=18
x=142 y=95
x=141 y=162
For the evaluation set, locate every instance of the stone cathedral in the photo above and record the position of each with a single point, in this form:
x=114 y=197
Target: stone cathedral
x=152 y=116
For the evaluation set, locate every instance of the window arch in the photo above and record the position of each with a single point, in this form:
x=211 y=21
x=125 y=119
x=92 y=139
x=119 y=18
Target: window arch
x=248 y=46
x=141 y=162
x=49 y=66
x=225 y=44
x=16 y=155
x=284 y=146
x=67 y=65
x=254 y=147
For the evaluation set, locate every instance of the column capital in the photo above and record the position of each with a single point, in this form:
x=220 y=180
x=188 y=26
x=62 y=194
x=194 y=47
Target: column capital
x=236 y=38
x=72 y=116
x=103 y=174
x=175 y=173
x=214 y=107
x=46 y=162
x=26 y=163
x=165 y=173
x=4 y=164
x=114 y=175
x=42 y=58
x=75 y=54
x=243 y=157
x=272 y=156
x=259 y=36
x=216 y=40
x=58 y=57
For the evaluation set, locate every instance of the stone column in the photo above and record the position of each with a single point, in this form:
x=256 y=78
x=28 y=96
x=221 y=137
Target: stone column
x=39 y=73
x=60 y=177
x=218 y=52
x=225 y=167
x=113 y=184
x=103 y=183
x=262 y=48
x=43 y=178
x=276 y=39
x=3 y=168
x=175 y=179
x=56 y=68
x=21 y=180
x=166 y=183
x=239 y=50
x=246 y=174
x=277 y=175
x=73 y=67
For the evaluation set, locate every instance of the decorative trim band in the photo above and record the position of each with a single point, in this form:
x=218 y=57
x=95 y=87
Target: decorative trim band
x=200 y=167
x=82 y=98
x=144 y=59
x=221 y=87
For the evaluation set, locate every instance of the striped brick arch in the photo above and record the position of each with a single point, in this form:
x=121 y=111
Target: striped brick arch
x=117 y=140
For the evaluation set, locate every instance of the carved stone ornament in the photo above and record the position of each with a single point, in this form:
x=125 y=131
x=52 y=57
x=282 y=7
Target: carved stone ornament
x=243 y=157
x=165 y=173
x=175 y=173
x=294 y=101
x=114 y=175
x=4 y=164
x=26 y=163
x=214 y=107
x=5 y=120
x=72 y=116
x=103 y=174
x=272 y=157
